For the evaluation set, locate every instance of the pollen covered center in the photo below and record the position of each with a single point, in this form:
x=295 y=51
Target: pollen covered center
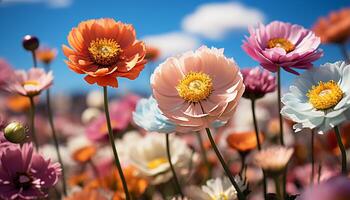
x=325 y=95
x=195 y=86
x=104 y=51
x=156 y=162
x=282 y=43
x=31 y=83
x=221 y=196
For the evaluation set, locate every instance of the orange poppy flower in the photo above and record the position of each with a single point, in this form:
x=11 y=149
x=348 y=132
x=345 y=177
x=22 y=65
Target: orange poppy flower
x=104 y=49
x=335 y=28
x=18 y=103
x=152 y=53
x=46 y=55
x=244 y=141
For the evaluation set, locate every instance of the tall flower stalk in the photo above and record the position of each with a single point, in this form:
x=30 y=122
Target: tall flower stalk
x=312 y=157
x=176 y=180
x=111 y=140
x=32 y=122
x=279 y=88
x=342 y=150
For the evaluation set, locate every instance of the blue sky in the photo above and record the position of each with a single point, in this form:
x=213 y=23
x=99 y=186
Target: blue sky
x=51 y=21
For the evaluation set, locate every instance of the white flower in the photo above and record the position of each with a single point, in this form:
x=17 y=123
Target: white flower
x=319 y=98
x=149 y=156
x=90 y=114
x=273 y=158
x=95 y=99
x=220 y=189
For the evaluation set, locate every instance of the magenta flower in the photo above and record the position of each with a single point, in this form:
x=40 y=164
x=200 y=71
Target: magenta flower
x=258 y=82
x=25 y=174
x=120 y=119
x=30 y=83
x=285 y=45
x=337 y=188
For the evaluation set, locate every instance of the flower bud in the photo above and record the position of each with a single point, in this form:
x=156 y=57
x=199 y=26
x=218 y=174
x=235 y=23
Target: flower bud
x=15 y=132
x=30 y=43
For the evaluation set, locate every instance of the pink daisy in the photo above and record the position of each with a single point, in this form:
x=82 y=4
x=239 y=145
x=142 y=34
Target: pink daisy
x=25 y=174
x=258 y=82
x=30 y=83
x=197 y=88
x=285 y=45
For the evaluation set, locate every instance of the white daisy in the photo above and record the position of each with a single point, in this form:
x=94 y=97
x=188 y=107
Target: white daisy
x=319 y=98
x=220 y=189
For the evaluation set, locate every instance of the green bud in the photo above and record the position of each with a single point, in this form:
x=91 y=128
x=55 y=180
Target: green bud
x=15 y=132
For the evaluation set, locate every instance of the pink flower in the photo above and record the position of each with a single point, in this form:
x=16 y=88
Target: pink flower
x=6 y=72
x=197 y=88
x=257 y=82
x=120 y=119
x=283 y=45
x=25 y=174
x=30 y=83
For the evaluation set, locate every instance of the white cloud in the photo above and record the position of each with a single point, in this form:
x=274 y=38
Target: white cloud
x=215 y=20
x=50 y=3
x=172 y=43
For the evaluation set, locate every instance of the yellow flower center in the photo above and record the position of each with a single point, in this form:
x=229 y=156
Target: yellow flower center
x=156 y=162
x=221 y=196
x=31 y=83
x=104 y=51
x=325 y=95
x=195 y=86
x=282 y=43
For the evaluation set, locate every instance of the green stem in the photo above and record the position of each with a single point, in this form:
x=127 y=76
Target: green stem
x=312 y=157
x=54 y=136
x=34 y=59
x=32 y=122
x=278 y=189
x=258 y=142
x=176 y=180
x=242 y=163
x=111 y=140
x=203 y=151
x=279 y=105
x=226 y=168
x=342 y=150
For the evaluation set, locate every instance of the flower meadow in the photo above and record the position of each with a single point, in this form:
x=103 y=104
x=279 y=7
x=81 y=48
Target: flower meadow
x=210 y=130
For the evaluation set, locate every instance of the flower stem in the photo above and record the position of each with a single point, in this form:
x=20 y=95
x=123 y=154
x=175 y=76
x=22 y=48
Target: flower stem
x=312 y=158
x=278 y=189
x=203 y=151
x=342 y=150
x=176 y=180
x=32 y=121
x=55 y=140
x=279 y=104
x=345 y=52
x=111 y=140
x=34 y=59
x=224 y=165
x=258 y=142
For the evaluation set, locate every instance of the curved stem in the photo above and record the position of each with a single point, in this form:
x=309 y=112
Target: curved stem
x=279 y=105
x=111 y=140
x=32 y=122
x=226 y=168
x=34 y=59
x=55 y=140
x=345 y=52
x=342 y=150
x=312 y=158
x=176 y=180
x=203 y=151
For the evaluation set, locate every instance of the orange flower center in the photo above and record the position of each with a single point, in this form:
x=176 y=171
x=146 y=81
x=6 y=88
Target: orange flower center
x=31 y=83
x=156 y=162
x=282 y=43
x=104 y=51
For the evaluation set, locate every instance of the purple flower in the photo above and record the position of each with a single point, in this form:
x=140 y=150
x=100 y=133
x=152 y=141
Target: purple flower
x=257 y=82
x=25 y=174
x=285 y=45
x=337 y=188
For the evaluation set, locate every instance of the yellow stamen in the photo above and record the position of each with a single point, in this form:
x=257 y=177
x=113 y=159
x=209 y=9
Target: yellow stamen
x=31 y=83
x=282 y=43
x=325 y=95
x=156 y=162
x=104 y=51
x=221 y=196
x=195 y=86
